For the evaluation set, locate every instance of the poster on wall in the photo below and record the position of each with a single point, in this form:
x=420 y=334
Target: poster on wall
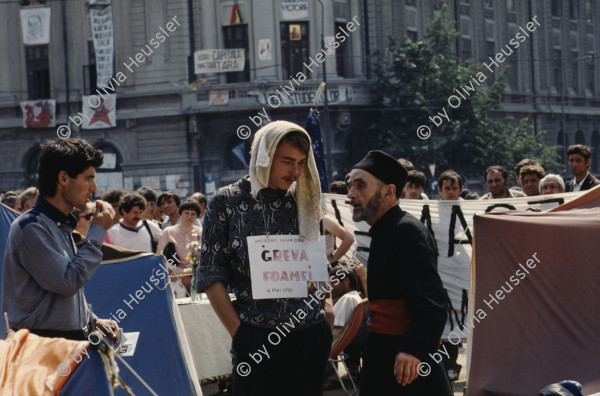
x=294 y=9
x=39 y=113
x=99 y=111
x=35 y=25
x=151 y=181
x=102 y=33
x=265 y=52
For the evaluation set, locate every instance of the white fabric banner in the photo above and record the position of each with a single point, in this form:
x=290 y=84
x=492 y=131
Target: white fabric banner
x=35 y=25
x=294 y=9
x=102 y=33
x=219 y=60
x=451 y=223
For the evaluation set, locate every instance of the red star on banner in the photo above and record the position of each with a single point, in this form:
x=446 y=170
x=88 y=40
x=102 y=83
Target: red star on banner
x=101 y=113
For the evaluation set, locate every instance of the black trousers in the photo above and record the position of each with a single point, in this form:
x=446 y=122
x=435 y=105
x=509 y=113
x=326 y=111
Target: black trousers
x=378 y=372
x=271 y=362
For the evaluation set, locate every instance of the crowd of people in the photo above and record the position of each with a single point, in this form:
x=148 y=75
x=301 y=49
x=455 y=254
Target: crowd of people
x=54 y=248
x=531 y=177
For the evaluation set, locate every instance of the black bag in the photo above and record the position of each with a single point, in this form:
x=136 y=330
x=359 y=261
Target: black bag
x=171 y=253
x=154 y=244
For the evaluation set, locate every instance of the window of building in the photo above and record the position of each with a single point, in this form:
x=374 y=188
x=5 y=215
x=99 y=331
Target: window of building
x=565 y=144
x=513 y=77
x=110 y=175
x=510 y=5
x=556 y=11
x=32 y=2
x=89 y=71
x=490 y=49
x=488 y=3
x=595 y=146
x=558 y=69
x=575 y=72
x=343 y=56
x=588 y=11
x=579 y=138
x=591 y=80
x=294 y=49
x=236 y=36
x=38 y=72
x=31 y=162
x=573 y=9
x=412 y=35
x=466 y=48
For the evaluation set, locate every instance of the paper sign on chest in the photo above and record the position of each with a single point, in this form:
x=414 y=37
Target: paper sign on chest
x=282 y=265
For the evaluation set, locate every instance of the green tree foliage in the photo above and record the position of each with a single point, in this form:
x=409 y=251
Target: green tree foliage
x=414 y=81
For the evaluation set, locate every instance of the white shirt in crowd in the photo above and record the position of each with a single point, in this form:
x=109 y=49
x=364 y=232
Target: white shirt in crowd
x=134 y=239
x=344 y=307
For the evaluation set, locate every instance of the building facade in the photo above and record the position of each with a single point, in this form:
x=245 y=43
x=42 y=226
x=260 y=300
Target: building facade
x=194 y=79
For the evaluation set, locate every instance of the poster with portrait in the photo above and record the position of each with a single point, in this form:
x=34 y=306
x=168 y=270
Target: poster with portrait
x=39 y=113
x=295 y=32
x=35 y=25
x=265 y=51
x=99 y=111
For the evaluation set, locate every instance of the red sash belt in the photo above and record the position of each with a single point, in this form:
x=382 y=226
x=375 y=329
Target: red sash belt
x=388 y=317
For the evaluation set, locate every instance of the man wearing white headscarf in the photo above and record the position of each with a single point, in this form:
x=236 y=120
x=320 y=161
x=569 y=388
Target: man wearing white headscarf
x=281 y=196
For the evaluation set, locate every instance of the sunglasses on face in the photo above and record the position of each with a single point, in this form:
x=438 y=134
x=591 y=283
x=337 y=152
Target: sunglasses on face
x=88 y=216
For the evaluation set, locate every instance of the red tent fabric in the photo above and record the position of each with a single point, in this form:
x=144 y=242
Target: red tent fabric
x=536 y=286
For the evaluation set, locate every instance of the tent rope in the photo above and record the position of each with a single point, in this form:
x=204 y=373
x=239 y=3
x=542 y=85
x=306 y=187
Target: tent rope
x=136 y=375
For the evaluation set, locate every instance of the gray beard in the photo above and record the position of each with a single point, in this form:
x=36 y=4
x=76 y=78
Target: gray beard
x=370 y=209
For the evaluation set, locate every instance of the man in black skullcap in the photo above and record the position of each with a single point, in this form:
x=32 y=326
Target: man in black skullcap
x=407 y=303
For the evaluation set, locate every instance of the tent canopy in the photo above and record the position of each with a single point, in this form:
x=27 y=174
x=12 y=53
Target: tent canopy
x=536 y=300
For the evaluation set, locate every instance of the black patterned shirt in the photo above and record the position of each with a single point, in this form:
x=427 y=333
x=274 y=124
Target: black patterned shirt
x=232 y=215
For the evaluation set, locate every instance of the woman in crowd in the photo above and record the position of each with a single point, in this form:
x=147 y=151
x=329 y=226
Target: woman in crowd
x=552 y=184
x=180 y=235
x=84 y=219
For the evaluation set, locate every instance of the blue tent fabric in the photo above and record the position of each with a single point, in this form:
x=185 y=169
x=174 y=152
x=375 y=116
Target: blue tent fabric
x=313 y=127
x=89 y=378
x=130 y=293
x=7 y=216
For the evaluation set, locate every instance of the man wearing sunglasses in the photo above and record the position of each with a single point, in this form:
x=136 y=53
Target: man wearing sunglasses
x=44 y=271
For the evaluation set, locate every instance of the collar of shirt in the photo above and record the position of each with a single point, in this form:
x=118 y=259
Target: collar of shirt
x=577 y=186
x=131 y=229
x=45 y=207
x=385 y=220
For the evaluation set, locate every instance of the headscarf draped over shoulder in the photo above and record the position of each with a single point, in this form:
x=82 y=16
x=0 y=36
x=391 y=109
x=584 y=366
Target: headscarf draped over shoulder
x=308 y=186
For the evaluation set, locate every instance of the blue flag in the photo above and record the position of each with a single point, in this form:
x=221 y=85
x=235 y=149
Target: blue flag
x=238 y=151
x=313 y=127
